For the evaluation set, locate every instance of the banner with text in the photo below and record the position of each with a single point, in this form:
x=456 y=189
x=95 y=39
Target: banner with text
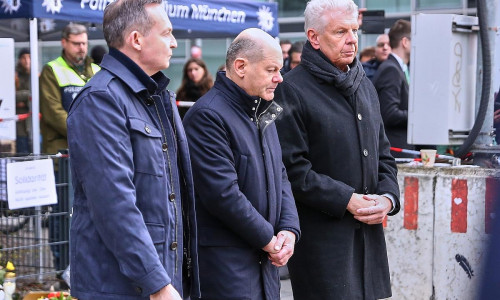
x=211 y=18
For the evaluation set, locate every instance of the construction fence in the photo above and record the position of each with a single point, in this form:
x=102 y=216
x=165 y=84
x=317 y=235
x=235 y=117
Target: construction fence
x=36 y=239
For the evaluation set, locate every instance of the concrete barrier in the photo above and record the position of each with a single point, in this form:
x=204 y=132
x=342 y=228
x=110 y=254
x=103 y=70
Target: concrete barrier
x=435 y=244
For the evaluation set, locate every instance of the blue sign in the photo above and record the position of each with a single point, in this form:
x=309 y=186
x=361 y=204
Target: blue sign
x=210 y=18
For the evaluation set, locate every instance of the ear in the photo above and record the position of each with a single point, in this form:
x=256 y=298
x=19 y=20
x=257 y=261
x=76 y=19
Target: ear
x=135 y=40
x=239 y=66
x=312 y=36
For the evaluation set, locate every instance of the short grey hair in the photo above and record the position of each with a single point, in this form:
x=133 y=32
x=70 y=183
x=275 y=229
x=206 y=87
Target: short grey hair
x=245 y=47
x=316 y=9
x=73 y=28
x=123 y=16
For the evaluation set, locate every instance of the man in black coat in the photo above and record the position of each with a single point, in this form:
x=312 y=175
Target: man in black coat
x=392 y=83
x=338 y=161
x=246 y=213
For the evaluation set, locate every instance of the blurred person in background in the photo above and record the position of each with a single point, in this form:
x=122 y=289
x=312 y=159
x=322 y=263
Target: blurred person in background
x=196 y=81
x=97 y=53
x=60 y=81
x=367 y=54
x=392 y=82
x=496 y=116
x=285 y=47
x=294 y=56
x=23 y=100
x=382 y=51
x=196 y=52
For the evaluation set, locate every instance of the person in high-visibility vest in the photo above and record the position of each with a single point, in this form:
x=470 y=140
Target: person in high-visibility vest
x=60 y=81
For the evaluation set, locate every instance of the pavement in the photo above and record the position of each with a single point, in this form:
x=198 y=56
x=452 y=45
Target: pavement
x=286 y=290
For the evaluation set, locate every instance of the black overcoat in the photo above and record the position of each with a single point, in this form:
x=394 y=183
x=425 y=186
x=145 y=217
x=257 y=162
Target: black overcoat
x=333 y=146
x=243 y=195
x=392 y=88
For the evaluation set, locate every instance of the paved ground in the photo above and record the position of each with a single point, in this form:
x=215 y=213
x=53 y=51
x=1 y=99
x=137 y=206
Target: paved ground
x=286 y=290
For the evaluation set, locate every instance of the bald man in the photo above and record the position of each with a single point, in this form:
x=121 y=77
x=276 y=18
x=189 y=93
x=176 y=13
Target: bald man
x=382 y=51
x=247 y=219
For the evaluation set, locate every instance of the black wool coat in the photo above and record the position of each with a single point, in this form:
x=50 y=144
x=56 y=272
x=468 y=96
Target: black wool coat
x=334 y=145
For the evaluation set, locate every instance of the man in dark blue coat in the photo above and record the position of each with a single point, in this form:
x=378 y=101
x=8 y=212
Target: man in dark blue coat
x=133 y=233
x=246 y=214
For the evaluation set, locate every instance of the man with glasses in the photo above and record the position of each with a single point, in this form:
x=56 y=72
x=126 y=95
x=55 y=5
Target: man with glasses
x=60 y=81
x=392 y=83
x=382 y=51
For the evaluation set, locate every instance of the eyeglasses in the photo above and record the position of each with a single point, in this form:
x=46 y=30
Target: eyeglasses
x=76 y=44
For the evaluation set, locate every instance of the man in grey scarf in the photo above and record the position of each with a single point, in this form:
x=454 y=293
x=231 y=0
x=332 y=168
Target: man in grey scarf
x=338 y=161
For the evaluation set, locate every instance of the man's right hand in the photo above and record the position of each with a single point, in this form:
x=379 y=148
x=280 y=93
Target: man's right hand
x=168 y=292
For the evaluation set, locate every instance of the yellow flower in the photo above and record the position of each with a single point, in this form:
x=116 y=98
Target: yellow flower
x=10 y=266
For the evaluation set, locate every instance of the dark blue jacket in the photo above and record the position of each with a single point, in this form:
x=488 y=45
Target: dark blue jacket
x=127 y=230
x=243 y=195
x=370 y=67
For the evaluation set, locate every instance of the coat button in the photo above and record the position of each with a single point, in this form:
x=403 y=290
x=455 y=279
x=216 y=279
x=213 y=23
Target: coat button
x=149 y=101
x=147 y=129
x=365 y=152
x=251 y=119
x=171 y=197
x=138 y=289
x=173 y=246
x=253 y=108
x=357 y=225
x=360 y=117
x=366 y=190
x=256 y=101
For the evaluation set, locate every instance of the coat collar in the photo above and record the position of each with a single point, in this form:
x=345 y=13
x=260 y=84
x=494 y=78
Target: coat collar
x=250 y=104
x=132 y=75
x=261 y=112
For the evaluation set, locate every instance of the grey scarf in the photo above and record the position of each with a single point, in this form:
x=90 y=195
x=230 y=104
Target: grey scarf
x=320 y=66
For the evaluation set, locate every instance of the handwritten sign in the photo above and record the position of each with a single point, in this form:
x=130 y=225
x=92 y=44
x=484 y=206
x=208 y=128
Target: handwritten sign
x=31 y=183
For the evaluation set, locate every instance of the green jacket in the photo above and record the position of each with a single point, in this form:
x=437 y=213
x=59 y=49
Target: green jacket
x=60 y=81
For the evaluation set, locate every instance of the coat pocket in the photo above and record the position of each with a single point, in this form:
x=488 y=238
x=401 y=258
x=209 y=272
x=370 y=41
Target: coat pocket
x=146 y=145
x=157 y=233
x=242 y=170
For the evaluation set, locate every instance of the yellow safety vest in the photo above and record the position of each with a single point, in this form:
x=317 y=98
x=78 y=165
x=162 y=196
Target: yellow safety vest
x=68 y=80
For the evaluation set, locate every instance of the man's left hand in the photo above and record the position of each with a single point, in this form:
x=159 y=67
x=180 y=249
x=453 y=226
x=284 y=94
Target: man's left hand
x=285 y=245
x=374 y=214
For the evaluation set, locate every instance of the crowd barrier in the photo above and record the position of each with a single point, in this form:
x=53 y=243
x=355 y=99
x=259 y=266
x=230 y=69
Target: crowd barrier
x=30 y=237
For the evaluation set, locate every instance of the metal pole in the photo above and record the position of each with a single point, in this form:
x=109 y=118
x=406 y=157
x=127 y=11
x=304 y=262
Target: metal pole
x=35 y=97
x=35 y=124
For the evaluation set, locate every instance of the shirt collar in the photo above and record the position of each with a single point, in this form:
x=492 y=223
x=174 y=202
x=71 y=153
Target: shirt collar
x=400 y=61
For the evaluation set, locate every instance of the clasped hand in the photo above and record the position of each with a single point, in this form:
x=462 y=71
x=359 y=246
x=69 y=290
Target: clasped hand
x=369 y=209
x=280 y=248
